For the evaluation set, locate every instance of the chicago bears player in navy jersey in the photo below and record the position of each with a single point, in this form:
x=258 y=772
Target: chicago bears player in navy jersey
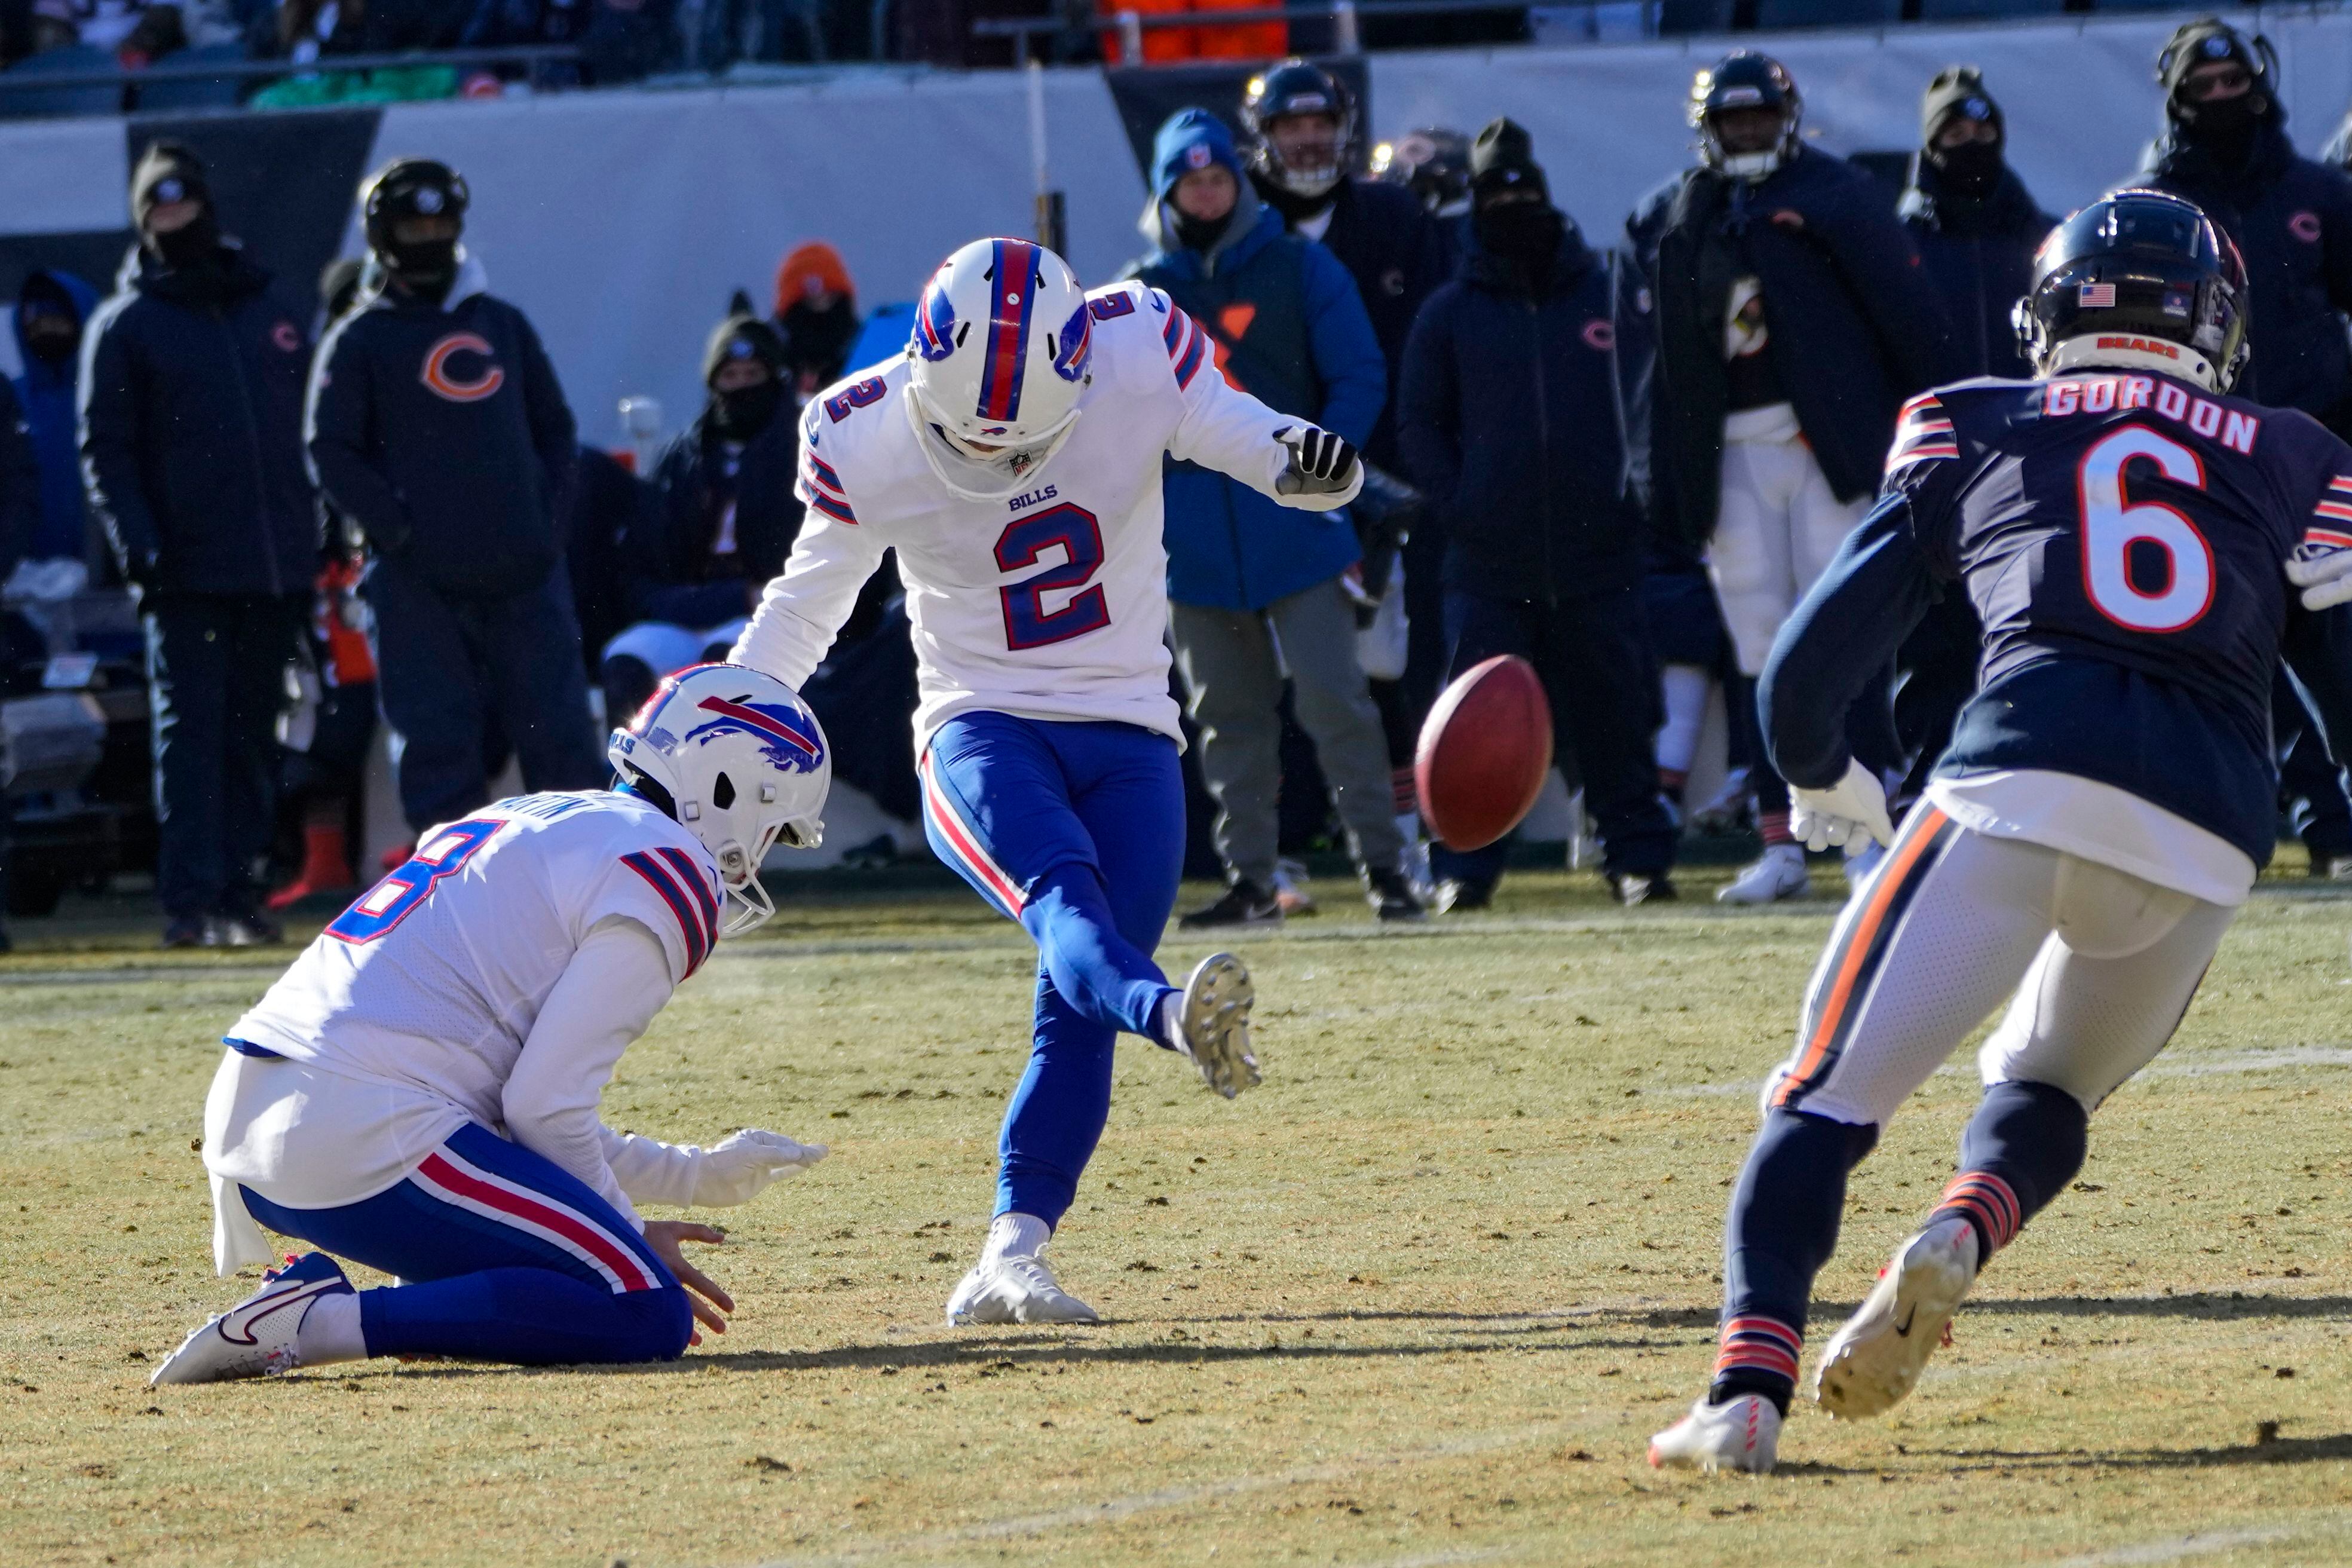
x=2129 y=537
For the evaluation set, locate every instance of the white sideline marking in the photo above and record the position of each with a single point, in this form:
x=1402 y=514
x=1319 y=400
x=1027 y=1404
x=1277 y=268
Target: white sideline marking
x=2173 y=1549
x=1111 y=1509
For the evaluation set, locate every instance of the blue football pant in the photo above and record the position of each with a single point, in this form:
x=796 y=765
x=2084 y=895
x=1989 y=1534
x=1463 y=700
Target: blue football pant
x=1077 y=830
x=504 y=1258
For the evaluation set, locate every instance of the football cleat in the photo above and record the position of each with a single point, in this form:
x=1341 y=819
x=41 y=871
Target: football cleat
x=1016 y=1290
x=1876 y=1358
x=256 y=1338
x=1740 y=1433
x=1780 y=874
x=1212 y=1023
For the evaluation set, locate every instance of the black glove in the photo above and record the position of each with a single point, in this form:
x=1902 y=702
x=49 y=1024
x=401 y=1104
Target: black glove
x=142 y=569
x=1321 y=464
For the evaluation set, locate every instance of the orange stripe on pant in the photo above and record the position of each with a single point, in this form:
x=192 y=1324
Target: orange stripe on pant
x=1903 y=863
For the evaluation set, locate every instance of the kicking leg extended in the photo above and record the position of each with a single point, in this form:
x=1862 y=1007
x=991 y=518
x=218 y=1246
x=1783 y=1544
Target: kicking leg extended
x=505 y=1256
x=1946 y=930
x=1076 y=831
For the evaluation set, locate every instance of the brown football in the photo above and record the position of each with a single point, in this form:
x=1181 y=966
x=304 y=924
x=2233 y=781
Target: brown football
x=1483 y=751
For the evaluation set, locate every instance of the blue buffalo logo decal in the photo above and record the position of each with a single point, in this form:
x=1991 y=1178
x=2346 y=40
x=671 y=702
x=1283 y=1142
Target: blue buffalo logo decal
x=1076 y=347
x=444 y=381
x=789 y=741
x=935 y=325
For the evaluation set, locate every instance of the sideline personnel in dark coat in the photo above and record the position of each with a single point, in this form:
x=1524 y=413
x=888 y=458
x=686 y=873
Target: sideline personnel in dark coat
x=1517 y=418
x=192 y=457
x=438 y=427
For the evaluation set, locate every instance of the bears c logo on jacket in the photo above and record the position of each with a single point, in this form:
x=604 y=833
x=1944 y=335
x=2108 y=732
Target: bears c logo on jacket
x=444 y=382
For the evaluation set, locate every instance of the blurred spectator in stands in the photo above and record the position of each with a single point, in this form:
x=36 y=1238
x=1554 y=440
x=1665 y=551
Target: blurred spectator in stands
x=1302 y=128
x=1793 y=320
x=192 y=450
x=629 y=39
x=328 y=734
x=439 y=428
x=1976 y=224
x=1977 y=228
x=1434 y=163
x=52 y=308
x=496 y=24
x=1218 y=41
x=1288 y=327
x=306 y=29
x=20 y=501
x=1514 y=419
x=718 y=523
x=599 y=509
x=817 y=317
x=2225 y=148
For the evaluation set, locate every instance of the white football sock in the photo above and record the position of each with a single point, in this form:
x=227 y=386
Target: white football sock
x=1170 y=1021
x=330 y=1331
x=1015 y=1235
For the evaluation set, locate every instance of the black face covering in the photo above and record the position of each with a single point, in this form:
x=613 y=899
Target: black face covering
x=1199 y=234
x=51 y=335
x=1970 y=169
x=1526 y=234
x=427 y=268
x=191 y=243
x=2225 y=128
x=744 y=412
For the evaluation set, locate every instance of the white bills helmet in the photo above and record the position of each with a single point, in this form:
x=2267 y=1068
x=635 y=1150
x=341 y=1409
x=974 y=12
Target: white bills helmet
x=739 y=761
x=998 y=357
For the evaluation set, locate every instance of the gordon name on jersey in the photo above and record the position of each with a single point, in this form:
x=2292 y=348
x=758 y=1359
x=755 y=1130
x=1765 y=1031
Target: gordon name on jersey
x=1050 y=603
x=2123 y=539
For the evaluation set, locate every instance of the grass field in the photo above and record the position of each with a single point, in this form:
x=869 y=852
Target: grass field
x=1419 y=1300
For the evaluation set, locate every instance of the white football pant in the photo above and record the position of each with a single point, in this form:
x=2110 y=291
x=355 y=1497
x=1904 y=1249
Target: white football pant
x=2099 y=967
x=1776 y=528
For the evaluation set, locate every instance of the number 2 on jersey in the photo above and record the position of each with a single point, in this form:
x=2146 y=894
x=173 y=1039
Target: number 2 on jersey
x=387 y=903
x=1027 y=622
x=2112 y=524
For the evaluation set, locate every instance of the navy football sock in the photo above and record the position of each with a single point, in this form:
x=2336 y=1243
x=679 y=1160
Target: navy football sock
x=2023 y=1146
x=1783 y=1227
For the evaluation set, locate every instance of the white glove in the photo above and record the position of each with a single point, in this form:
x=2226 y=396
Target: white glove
x=2323 y=572
x=1847 y=812
x=1321 y=464
x=745 y=1163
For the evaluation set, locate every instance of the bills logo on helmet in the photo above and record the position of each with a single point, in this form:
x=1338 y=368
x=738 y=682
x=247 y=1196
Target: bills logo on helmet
x=792 y=742
x=1074 y=349
x=935 y=323
x=439 y=379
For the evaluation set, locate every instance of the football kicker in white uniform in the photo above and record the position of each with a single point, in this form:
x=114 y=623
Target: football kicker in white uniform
x=1012 y=460
x=419 y=1091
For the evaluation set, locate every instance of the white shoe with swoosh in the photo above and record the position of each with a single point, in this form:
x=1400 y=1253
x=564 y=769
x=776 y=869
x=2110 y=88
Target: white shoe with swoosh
x=256 y=1338
x=1743 y=1433
x=1876 y=1358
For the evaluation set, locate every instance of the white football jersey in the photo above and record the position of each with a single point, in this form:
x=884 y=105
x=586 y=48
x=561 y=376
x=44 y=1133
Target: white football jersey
x=1050 y=603
x=433 y=978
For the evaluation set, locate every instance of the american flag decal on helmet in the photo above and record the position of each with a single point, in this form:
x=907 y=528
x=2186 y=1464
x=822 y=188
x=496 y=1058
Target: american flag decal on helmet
x=1014 y=274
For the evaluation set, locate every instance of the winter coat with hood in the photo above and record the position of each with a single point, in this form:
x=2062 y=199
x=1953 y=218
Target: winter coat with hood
x=191 y=428
x=1520 y=416
x=1978 y=254
x=46 y=391
x=440 y=429
x=1290 y=329
x=2291 y=219
x=665 y=555
x=1855 y=328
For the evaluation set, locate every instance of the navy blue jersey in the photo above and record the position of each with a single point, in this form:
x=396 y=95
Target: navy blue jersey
x=2122 y=537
